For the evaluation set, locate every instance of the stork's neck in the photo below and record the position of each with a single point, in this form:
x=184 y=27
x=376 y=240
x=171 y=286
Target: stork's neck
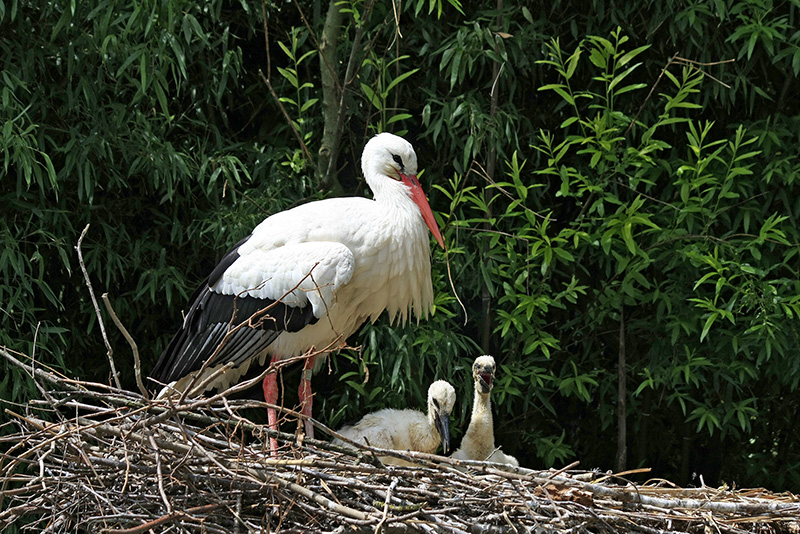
x=429 y=439
x=482 y=407
x=391 y=193
x=432 y=416
x=479 y=438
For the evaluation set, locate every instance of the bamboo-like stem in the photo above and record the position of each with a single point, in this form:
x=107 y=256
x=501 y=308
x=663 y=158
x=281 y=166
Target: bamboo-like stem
x=486 y=296
x=622 y=396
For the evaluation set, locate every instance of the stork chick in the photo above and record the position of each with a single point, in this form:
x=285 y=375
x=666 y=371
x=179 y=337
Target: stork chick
x=478 y=441
x=407 y=430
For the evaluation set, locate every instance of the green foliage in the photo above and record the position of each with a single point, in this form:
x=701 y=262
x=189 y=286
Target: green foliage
x=122 y=118
x=632 y=205
x=586 y=176
x=378 y=95
x=299 y=101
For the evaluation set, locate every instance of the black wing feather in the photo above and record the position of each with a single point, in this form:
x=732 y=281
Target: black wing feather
x=212 y=316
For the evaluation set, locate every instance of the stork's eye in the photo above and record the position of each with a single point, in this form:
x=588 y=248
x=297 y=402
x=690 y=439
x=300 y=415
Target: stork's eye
x=397 y=159
x=435 y=402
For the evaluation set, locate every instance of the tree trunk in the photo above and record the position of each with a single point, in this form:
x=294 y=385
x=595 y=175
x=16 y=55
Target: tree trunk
x=331 y=97
x=335 y=119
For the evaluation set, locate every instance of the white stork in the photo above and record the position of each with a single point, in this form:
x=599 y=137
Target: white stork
x=325 y=267
x=478 y=441
x=407 y=430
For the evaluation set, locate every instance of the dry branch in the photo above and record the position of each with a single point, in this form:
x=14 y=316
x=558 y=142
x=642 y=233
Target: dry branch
x=87 y=280
x=97 y=459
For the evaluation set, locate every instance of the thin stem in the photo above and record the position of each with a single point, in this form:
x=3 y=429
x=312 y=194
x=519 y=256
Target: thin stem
x=109 y=350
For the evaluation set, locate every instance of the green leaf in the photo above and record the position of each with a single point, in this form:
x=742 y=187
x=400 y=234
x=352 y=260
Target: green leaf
x=598 y=58
x=572 y=63
x=630 y=55
x=371 y=96
x=51 y=173
x=143 y=71
x=290 y=75
x=63 y=20
x=620 y=77
x=162 y=99
x=567 y=122
x=399 y=79
x=707 y=326
x=561 y=90
x=128 y=61
x=308 y=104
x=399 y=117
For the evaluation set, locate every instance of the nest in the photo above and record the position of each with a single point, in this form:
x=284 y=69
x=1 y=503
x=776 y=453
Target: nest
x=92 y=458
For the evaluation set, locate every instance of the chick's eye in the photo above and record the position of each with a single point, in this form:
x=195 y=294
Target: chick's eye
x=435 y=403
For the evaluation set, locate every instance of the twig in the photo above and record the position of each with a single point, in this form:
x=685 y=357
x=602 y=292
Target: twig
x=137 y=366
x=286 y=116
x=453 y=286
x=386 y=505
x=32 y=371
x=213 y=469
x=35 y=371
x=159 y=474
x=316 y=42
x=110 y=352
x=485 y=175
x=272 y=91
x=169 y=518
x=650 y=93
x=679 y=60
x=693 y=63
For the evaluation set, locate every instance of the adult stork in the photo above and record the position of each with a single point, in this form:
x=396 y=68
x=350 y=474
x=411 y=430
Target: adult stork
x=306 y=278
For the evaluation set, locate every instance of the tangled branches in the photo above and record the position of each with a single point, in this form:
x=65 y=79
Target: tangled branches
x=92 y=458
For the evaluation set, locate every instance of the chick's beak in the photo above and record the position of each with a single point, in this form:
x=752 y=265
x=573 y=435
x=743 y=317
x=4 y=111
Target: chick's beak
x=485 y=380
x=442 y=422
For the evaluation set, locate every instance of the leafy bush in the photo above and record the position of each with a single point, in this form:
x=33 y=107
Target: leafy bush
x=601 y=176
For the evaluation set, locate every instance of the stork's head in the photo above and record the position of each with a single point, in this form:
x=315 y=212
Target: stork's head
x=441 y=400
x=387 y=156
x=483 y=373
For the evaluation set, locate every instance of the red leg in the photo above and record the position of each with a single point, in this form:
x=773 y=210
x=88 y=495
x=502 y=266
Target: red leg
x=306 y=397
x=270 y=386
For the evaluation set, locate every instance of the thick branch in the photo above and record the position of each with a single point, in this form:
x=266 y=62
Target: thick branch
x=355 y=52
x=331 y=96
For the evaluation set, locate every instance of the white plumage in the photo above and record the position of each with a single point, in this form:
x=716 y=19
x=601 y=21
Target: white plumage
x=407 y=430
x=325 y=267
x=478 y=441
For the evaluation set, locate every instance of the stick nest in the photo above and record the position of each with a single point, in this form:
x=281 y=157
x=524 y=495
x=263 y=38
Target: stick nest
x=91 y=458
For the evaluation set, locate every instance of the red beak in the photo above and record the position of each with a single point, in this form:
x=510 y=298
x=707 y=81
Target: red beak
x=418 y=195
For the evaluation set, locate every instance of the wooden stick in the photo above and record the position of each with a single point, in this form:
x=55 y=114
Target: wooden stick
x=137 y=365
x=110 y=352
